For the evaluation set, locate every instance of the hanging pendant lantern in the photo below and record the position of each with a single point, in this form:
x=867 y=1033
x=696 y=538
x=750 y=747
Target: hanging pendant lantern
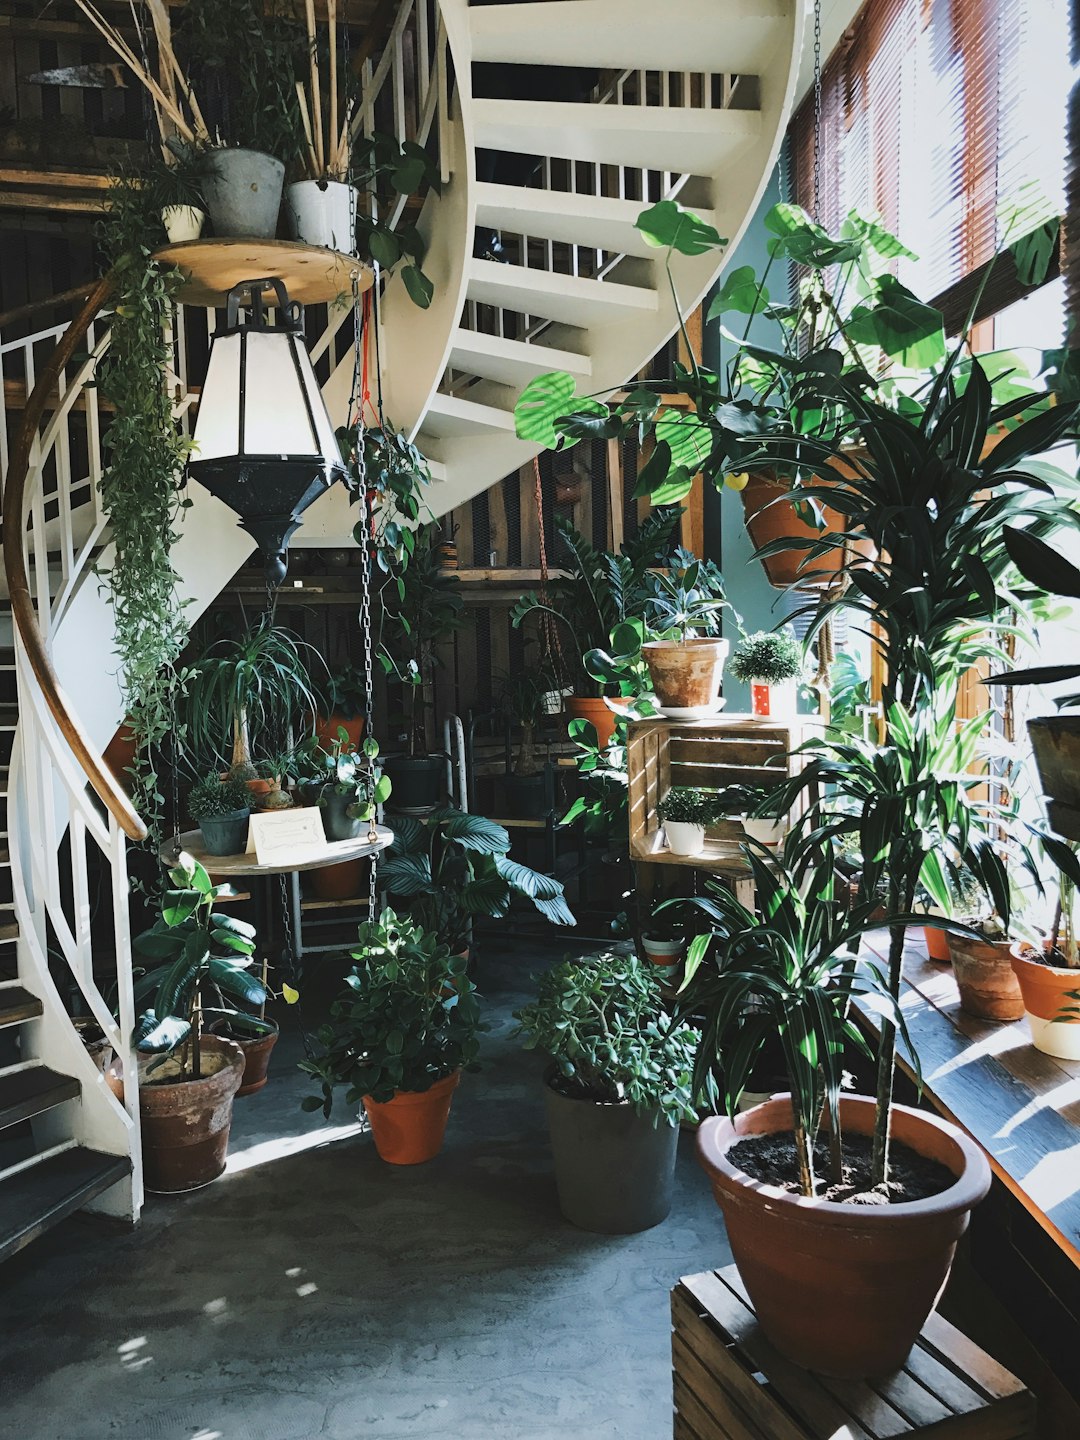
x=263 y=440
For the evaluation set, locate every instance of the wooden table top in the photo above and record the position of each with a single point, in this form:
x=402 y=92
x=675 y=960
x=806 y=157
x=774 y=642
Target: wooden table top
x=226 y=866
x=1023 y=1107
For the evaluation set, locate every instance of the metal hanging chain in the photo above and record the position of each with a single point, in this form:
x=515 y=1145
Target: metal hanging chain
x=817 y=111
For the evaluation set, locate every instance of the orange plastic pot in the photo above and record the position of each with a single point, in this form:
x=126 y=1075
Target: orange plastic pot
x=327 y=727
x=409 y=1129
x=588 y=707
x=1050 y=1003
x=843 y=1289
x=937 y=944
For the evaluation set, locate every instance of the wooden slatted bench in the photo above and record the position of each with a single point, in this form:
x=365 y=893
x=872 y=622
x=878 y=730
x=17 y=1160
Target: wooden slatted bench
x=730 y=1384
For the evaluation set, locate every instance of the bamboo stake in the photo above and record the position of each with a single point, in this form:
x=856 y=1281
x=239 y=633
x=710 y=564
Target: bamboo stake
x=116 y=42
x=301 y=95
x=344 y=141
x=331 y=19
x=163 y=34
x=316 y=93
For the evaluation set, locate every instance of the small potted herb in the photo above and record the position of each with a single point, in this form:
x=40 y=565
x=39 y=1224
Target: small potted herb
x=770 y=662
x=220 y=808
x=349 y=791
x=686 y=813
x=618 y=1084
x=399 y=1037
x=686 y=659
x=663 y=938
x=753 y=806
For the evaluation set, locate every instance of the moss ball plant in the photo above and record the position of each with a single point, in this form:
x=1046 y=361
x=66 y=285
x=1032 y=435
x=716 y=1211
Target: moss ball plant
x=768 y=656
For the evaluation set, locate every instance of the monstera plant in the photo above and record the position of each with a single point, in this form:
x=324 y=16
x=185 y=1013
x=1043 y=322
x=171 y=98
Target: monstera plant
x=451 y=866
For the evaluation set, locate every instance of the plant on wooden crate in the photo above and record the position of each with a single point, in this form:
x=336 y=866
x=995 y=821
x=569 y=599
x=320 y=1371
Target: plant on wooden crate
x=768 y=656
x=399 y=1037
x=451 y=867
x=618 y=1084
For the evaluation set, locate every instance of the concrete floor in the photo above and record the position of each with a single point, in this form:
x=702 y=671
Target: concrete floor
x=315 y=1291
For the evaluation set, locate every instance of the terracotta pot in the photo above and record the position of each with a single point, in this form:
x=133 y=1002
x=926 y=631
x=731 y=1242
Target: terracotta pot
x=1055 y=740
x=686 y=674
x=409 y=1129
x=1049 y=992
x=937 y=944
x=662 y=952
x=259 y=789
x=984 y=975
x=256 y=1062
x=185 y=1125
x=767 y=521
x=589 y=707
x=338 y=882
x=327 y=726
x=843 y=1289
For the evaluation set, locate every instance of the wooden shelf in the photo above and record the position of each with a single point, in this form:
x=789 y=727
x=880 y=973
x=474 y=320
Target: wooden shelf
x=312 y=274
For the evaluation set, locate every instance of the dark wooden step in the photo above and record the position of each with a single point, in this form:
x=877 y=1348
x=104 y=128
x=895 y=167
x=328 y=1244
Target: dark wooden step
x=29 y=1092
x=17 y=1005
x=37 y=1198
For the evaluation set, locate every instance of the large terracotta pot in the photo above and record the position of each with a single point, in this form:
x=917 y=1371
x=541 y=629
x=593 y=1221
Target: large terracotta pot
x=327 y=727
x=767 y=521
x=984 y=975
x=185 y=1125
x=686 y=674
x=338 y=882
x=589 y=707
x=1050 y=996
x=409 y=1129
x=843 y=1289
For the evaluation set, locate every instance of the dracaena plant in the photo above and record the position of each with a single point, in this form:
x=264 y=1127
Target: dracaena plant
x=199 y=971
x=452 y=866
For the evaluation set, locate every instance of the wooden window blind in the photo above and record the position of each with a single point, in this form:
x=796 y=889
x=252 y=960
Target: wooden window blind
x=946 y=120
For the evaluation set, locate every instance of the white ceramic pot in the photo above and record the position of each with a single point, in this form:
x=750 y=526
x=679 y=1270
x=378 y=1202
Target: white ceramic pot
x=684 y=838
x=662 y=952
x=765 y=832
x=323 y=212
x=774 y=702
x=182 y=223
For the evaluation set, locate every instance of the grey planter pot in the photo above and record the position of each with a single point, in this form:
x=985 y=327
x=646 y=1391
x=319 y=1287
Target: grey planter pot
x=337 y=824
x=614 y=1169
x=242 y=190
x=225 y=834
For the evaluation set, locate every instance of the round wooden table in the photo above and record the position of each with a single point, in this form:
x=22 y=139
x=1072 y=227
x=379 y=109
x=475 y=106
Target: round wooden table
x=312 y=274
x=229 y=866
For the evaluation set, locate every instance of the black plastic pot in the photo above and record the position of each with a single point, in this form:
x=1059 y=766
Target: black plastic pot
x=527 y=796
x=417 y=782
x=225 y=834
x=337 y=823
x=614 y=1169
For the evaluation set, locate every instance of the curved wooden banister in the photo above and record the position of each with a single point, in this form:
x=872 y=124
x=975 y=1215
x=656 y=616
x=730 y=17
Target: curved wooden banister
x=22 y=606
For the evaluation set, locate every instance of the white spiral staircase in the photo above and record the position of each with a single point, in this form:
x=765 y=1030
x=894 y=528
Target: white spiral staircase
x=577 y=289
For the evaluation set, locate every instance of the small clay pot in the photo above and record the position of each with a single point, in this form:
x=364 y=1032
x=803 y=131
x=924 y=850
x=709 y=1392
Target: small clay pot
x=843 y=1289
x=937 y=945
x=686 y=674
x=1050 y=998
x=256 y=1062
x=596 y=709
x=663 y=952
x=984 y=975
x=410 y=1128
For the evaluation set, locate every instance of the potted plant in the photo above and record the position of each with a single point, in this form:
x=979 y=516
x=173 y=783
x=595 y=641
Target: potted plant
x=754 y=806
x=1048 y=969
x=399 y=1037
x=663 y=937
x=800 y=1232
x=982 y=964
x=343 y=703
x=686 y=814
x=452 y=866
x=686 y=661
x=175 y=183
x=220 y=808
x=770 y=662
x=190 y=1077
x=589 y=607
x=349 y=789
x=524 y=698
x=421 y=612
x=617 y=1085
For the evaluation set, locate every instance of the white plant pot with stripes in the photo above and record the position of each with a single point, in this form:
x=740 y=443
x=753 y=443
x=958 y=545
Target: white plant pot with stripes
x=323 y=212
x=684 y=838
x=766 y=832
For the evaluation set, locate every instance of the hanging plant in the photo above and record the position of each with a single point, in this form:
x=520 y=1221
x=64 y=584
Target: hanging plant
x=142 y=485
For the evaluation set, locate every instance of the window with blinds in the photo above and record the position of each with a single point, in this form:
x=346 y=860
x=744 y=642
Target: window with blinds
x=946 y=120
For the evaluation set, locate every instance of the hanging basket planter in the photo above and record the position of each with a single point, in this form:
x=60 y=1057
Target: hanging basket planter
x=769 y=517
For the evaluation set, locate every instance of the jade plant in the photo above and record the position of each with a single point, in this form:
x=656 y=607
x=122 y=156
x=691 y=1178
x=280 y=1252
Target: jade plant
x=601 y=1019
x=408 y=1017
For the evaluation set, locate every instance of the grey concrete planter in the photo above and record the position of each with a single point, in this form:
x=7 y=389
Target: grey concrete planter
x=614 y=1169
x=242 y=190
x=224 y=834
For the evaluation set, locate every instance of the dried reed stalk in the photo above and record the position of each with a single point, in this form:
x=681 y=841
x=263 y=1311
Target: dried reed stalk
x=301 y=95
x=316 y=93
x=331 y=20
x=162 y=99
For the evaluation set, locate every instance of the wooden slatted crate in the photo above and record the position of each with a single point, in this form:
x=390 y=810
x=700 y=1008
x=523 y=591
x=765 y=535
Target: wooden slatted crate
x=730 y=1384
x=706 y=754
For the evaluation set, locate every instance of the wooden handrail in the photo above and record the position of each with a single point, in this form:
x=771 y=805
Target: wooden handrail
x=22 y=605
x=22 y=312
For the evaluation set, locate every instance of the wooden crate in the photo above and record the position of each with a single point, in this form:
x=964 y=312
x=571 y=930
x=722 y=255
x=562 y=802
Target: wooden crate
x=707 y=754
x=730 y=1384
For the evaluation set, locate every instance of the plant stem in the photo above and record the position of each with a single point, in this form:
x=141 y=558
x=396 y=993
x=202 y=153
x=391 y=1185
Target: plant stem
x=807 y=1179
x=879 y=1164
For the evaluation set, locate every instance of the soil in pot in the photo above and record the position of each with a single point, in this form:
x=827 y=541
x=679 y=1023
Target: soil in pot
x=185 y=1123
x=686 y=674
x=984 y=976
x=590 y=707
x=772 y=1159
x=410 y=1128
x=614 y=1169
x=876 y=1271
x=224 y=834
x=1050 y=994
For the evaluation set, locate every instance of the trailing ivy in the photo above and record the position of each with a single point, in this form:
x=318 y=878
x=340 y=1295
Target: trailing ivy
x=142 y=485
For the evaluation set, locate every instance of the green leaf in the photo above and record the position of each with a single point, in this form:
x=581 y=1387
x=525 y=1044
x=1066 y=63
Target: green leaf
x=804 y=241
x=655 y=470
x=384 y=248
x=740 y=291
x=164 y=1035
x=901 y=325
x=689 y=440
x=1032 y=253
x=179 y=905
x=540 y=404
x=418 y=285
x=667 y=226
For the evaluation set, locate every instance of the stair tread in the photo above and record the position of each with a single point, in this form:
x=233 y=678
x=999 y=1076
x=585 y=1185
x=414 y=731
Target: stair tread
x=602 y=222
x=739 y=37
x=42 y=1195
x=449 y=415
x=511 y=362
x=651 y=137
x=570 y=299
x=28 y=1092
x=17 y=1004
